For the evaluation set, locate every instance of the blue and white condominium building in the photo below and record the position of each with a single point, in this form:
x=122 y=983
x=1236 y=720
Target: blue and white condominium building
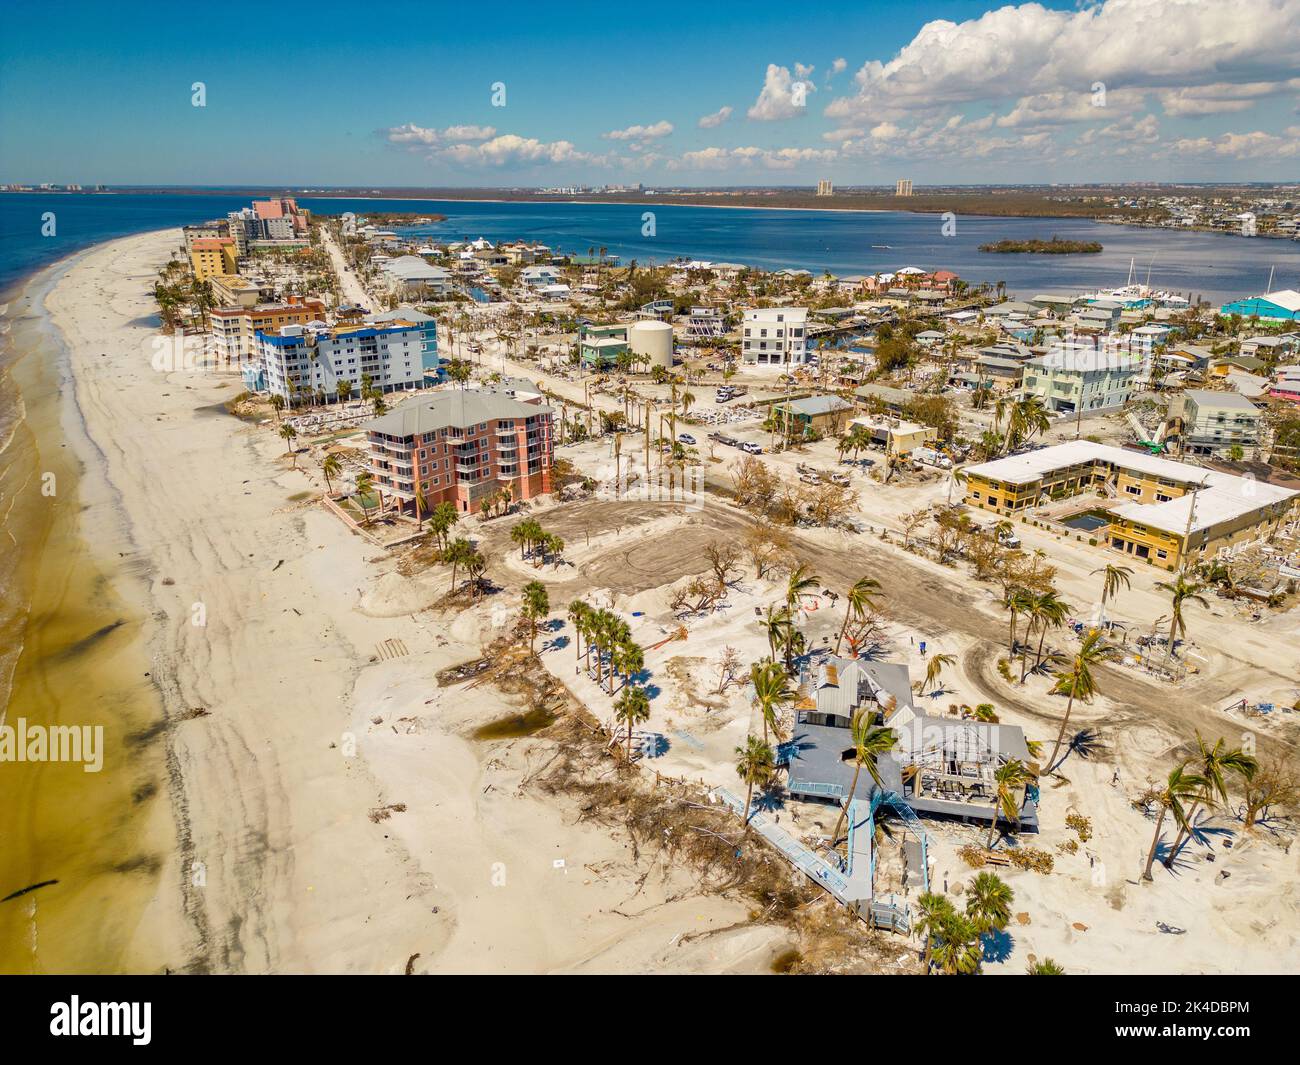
x=395 y=350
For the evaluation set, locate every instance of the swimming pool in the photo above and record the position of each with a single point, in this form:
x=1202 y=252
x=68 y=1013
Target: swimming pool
x=1088 y=520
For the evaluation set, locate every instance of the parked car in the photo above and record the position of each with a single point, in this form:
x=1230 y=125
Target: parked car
x=686 y=438
x=753 y=449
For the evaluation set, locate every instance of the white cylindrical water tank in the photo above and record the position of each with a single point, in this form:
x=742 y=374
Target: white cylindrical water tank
x=653 y=341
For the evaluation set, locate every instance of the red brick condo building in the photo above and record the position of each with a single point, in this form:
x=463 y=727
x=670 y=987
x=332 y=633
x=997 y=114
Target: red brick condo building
x=462 y=446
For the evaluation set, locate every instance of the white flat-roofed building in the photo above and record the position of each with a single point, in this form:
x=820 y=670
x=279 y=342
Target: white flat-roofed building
x=775 y=336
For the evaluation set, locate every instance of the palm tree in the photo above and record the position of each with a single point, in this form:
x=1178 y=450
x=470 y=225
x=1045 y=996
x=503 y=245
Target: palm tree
x=331 y=467
x=343 y=389
x=632 y=707
x=932 y=911
x=858 y=600
x=579 y=612
x=287 y=433
x=442 y=519
x=1008 y=781
x=777 y=623
x=536 y=605
x=932 y=671
x=475 y=566
x=1179 y=785
x=1215 y=763
x=626 y=659
x=800 y=584
x=1114 y=577
x=363 y=486
x=988 y=903
x=1018 y=601
x=771 y=692
x=1046 y=967
x=1181 y=590
x=1079 y=682
x=957 y=950
x=755 y=764
x=870 y=741
x=458 y=553
x=1048 y=611
x=277 y=405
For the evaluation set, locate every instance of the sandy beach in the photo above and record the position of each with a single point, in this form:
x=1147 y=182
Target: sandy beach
x=283 y=741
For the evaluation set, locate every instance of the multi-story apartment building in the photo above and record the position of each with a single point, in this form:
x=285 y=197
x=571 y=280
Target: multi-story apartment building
x=268 y=221
x=460 y=447
x=309 y=361
x=234 y=329
x=213 y=256
x=775 y=336
x=1071 y=378
x=1213 y=423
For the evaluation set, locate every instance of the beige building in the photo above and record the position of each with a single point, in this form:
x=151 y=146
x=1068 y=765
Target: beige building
x=895 y=435
x=1166 y=510
x=231 y=290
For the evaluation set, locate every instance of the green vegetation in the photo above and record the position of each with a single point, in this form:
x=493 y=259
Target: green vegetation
x=1055 y=246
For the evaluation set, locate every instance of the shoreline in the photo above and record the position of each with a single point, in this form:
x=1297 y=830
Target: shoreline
x=79 y=661
x=252 y=767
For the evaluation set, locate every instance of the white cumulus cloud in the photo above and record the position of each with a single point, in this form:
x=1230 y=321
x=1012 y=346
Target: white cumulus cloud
x=782 y=95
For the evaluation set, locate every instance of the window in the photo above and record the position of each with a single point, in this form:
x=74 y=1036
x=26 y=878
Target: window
x=1133 y=489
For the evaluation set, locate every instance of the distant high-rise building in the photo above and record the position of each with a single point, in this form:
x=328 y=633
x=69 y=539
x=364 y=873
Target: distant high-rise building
x=903 y=187
x=825 y=188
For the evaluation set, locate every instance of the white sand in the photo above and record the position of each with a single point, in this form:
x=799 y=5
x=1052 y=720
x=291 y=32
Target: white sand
x=297 y=877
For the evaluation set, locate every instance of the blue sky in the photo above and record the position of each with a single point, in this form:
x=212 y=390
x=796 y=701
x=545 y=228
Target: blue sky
x=860 y=92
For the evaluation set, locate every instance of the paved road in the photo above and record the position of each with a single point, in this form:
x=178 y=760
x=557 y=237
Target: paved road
x=353 y=292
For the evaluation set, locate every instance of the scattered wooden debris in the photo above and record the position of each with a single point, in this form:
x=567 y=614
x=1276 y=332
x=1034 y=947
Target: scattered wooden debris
x=383 y=813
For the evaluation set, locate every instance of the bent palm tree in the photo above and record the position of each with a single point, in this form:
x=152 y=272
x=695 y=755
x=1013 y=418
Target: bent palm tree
x=857 y=601
x=933 y=670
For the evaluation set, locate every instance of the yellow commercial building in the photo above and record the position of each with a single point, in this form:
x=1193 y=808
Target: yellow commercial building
x=213 y=257
x=1162 y=510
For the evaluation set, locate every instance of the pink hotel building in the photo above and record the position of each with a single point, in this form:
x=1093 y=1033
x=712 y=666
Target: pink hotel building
x=460 y=447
